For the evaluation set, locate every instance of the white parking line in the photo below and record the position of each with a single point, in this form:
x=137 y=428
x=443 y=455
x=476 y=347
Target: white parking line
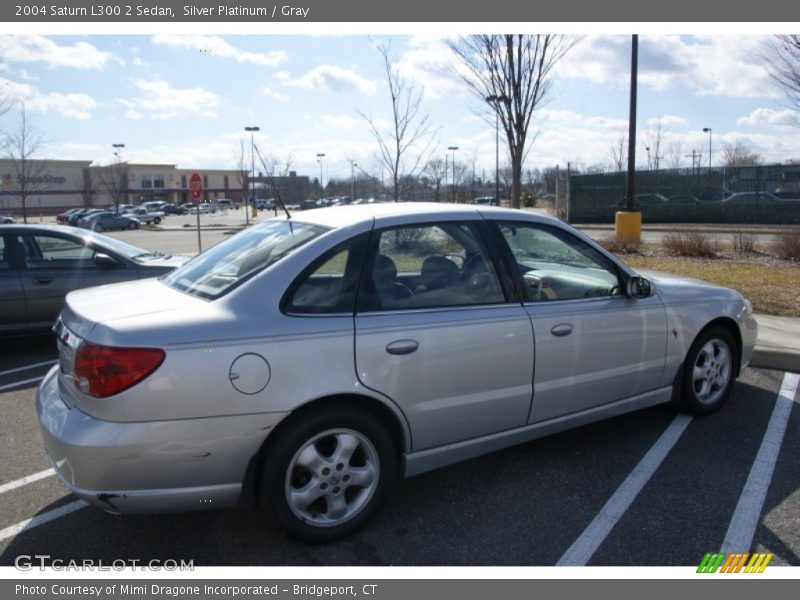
x=582 y=549
x=743 y=524
x=8 y=386
x=41 y=519
x=12 y=485
x=28 y=367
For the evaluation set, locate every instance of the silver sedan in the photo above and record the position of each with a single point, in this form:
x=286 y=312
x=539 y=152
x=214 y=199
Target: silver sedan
x=313 y=359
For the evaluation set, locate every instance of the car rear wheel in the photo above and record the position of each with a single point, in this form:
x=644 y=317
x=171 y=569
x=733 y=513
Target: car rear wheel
x=325 y=476
x=98 y=227
x=709 y=371
x=157 y=220
x=131 y=225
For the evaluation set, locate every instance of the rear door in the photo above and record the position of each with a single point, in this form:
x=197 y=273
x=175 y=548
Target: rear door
x=56 y=264
x=436 y=334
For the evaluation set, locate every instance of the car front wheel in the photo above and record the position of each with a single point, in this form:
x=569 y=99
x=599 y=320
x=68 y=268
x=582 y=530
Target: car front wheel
x=157 y=220
x=709 y=371
x=325 y=476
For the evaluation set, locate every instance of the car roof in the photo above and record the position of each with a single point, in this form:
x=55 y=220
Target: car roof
x=343 y=215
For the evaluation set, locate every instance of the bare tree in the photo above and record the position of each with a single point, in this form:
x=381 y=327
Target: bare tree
x=675 y=154
x=512 y=74
x=619 y=153
x=739 y=154
x=86 y=187
x=243 y=165
x=783 y=62
x=410 y=131
x=654 y=139
x=435 y=171
x=19 y=146
x=113 y=179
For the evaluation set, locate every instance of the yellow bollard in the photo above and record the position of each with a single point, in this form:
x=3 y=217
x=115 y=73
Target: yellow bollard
x=628 y=226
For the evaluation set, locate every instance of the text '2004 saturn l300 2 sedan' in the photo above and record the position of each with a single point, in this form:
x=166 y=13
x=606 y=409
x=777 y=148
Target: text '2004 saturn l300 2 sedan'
x=312 y=360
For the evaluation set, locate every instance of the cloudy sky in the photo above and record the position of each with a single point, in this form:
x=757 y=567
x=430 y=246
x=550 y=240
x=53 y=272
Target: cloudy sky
x=186 y=99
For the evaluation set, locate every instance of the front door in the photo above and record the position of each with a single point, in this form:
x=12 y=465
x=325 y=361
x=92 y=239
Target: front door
x=594 y=345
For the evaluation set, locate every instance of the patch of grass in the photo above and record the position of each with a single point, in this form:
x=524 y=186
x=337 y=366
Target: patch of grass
x=691 y=243
x=771 y=288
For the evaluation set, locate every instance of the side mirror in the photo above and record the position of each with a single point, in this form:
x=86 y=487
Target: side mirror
x=104 y=261
x=639 y=287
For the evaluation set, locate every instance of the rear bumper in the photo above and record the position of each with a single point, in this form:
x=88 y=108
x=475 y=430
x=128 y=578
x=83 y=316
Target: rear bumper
x=149 y=467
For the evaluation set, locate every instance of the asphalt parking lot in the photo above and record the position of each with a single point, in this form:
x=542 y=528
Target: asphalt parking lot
x=527 y=505
x=647 y=488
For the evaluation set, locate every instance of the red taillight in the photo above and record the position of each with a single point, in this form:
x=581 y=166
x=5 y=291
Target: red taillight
x=103 y=371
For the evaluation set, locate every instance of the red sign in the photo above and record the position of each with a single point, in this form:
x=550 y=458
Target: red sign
x=196 y=185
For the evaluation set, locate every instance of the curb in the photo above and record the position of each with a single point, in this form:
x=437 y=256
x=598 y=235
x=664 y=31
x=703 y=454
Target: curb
x=770 y=358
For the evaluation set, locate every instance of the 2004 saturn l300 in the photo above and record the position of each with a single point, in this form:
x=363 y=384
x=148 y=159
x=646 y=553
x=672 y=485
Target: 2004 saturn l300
x=313 y=360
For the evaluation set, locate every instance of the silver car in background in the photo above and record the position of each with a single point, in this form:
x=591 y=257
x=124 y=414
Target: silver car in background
x=311 y=360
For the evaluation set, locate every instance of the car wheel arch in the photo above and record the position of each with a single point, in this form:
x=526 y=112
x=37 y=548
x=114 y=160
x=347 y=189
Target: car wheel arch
x=733 y=328
x=728 y=324
x=391 y=417
x=393 y=420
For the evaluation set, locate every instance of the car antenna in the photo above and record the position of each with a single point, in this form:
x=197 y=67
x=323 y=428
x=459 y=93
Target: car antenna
x=275 y=191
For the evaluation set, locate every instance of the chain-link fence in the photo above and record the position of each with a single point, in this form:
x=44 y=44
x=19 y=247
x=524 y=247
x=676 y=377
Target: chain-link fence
x=766 y=195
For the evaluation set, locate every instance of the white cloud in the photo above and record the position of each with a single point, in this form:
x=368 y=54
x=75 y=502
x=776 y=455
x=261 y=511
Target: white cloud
x=70 y=105
x=336 y=122
x=138 y=62
x=431 y=64
x=265 y=91
x=37 y=48
x=216 y=46
x=160 y=101
x=710 y=65
x=668 y=122
x=768 y=116
x=332 y=78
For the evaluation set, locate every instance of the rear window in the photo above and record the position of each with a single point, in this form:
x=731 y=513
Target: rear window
x=215 y=272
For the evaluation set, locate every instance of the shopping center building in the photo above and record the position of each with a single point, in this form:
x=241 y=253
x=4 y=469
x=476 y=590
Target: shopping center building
x=51 y=186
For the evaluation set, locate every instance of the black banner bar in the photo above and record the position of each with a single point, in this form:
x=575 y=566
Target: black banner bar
x=462 y=11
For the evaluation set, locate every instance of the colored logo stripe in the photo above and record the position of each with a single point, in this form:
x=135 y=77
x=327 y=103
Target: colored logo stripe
x=734 y=562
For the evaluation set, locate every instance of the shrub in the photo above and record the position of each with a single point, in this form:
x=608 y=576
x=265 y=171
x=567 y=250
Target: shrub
x=787 y=246
x=743 y=242
x=691 y=243
x=618 y=245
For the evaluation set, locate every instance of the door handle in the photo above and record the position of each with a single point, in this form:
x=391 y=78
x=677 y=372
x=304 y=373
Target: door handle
x=42 y=280
x=561 y=329
x=402 y=347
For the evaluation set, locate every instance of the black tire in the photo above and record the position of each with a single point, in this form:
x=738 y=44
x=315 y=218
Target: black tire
x=282 y=471
x=132 y=226
x=707 y=378
x=99 y=227
x=157 y=220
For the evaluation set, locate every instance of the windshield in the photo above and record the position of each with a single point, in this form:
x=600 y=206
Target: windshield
x=216 y=271
x=127 y=250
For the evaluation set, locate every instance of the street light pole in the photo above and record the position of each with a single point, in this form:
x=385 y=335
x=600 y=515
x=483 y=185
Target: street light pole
x=353 y=166
x=496 y=99
x=251 y=192
x=320 y=156
x=118 y=174
x=453 y=149
x=708 y=131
